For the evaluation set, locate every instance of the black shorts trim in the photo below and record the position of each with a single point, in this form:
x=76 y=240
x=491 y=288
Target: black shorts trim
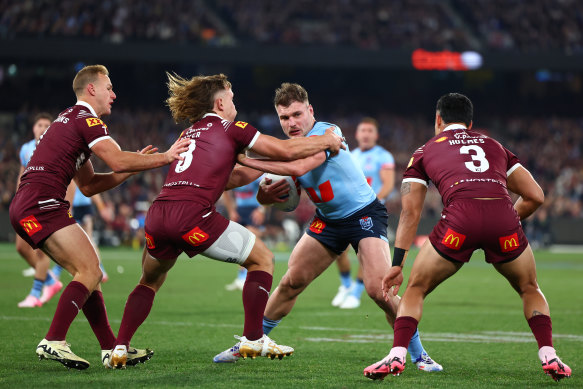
x=445 y=256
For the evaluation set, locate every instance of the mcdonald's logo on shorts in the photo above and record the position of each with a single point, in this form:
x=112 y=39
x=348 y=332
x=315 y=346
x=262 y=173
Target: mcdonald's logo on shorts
x=149 y=241
x=453 y=240
x=509 y=243
x=31 y=225
x=317 y=226
x=195 y=237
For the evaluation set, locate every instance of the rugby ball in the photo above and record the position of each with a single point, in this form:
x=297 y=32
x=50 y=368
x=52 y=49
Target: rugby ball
x=292 y=198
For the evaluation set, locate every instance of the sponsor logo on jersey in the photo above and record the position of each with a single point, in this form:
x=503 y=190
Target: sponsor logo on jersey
x=91 y=122
x=241 y=124
x=410 y=162
x=366 y=223
x=509 y=243
x=150 y=241
x=31 y=225
x=70 y=215
x=195 y=237
x=317 y=226
x=453 y=240
x=441 y=139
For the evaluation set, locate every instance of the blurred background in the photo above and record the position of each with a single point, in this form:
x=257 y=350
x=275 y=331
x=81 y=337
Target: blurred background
x=519 y=61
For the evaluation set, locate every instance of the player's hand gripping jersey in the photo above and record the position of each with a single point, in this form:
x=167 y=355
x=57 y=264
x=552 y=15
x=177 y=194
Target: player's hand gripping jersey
x=462 y=164
x=203 y=174
x=337 y=187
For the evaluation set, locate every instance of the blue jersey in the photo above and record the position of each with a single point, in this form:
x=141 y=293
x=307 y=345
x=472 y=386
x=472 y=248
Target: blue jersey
x=80 y=200
x=245 y=195
x=372 y=161
x=26 y=152
x=337 y=187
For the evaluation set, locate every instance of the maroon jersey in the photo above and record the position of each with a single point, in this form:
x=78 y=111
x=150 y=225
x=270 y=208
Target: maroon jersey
x=63 y=149
x=462 y=164
x=203 y=174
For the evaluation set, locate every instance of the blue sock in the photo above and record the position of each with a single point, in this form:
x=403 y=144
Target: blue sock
x=415 y=347
x=242 y=274
x=345 y=279
x=57 y=271
x=37 y=288
x=357 y=288
x=49 y=280
x=269 y=324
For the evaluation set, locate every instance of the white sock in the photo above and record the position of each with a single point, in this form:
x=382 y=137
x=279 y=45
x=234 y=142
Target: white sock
x=399 y=352
x=546 y=353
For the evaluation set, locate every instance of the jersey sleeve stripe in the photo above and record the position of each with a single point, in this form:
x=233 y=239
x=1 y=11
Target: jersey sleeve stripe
x=512 y=169
x=250 y=145
x=417 y=180
x=98 y=140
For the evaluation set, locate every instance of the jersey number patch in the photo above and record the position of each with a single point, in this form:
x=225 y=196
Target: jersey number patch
x=187 y=155
x=479 y=162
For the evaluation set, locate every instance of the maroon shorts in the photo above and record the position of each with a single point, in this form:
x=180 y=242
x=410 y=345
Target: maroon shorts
x=470 y=224
x=173 y=227
x=35 y=215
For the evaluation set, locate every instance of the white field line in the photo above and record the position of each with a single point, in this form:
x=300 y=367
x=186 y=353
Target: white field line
x=369 y=336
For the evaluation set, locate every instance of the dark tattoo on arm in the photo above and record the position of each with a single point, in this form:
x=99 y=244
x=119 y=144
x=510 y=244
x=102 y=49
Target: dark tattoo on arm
x=536 y=313
x=405 y=188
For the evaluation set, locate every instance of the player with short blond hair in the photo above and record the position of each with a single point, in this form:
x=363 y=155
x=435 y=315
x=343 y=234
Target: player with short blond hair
x=40 y=214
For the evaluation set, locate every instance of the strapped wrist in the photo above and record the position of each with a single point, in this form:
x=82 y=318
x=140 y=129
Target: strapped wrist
x=398 y=256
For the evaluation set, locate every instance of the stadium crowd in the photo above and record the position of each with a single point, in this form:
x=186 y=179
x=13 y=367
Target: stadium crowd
x=552 y=149
x=369 y=24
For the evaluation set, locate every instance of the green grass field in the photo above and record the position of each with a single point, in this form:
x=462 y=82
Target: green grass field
x=473 y=325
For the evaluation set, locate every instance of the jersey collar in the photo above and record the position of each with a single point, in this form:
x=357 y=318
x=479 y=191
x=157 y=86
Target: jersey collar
x=455 y=127
x=212 y=114
x=86 y=105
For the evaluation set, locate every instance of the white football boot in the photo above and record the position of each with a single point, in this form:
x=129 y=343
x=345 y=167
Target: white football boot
x=58 y=350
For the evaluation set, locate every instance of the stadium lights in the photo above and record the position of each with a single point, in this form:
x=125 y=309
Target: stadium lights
x=446 y=60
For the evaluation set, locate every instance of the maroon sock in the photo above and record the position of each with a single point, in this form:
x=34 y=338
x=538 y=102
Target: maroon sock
x=255 y=296
x=136 y=311
x=404 y=328
x=94 y=310
x=71 y=302
x=542 y=328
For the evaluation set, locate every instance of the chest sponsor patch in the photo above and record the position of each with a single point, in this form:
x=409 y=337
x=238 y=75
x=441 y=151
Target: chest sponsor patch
x=317 y=226
x=366 y=223
x=453 y=240
x=195 y=237
x=509 y=243
x=150 y=241
x=31 y=225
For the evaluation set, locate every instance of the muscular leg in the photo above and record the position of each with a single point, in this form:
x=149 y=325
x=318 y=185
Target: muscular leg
x=521 y=273
x=141 y=299
x=307 y=261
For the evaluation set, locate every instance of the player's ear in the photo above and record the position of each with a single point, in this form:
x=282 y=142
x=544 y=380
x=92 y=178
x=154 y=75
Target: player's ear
x=90 y=88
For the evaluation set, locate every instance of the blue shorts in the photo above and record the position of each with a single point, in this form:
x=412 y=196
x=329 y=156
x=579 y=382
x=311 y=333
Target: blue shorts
x=245 y=215
x=79 y=212
x=337 y=234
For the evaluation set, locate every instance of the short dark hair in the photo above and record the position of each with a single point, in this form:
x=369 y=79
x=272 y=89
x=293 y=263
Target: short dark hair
x=289 y=93
x=369 y=120
x=455 y=108
x=42 y=115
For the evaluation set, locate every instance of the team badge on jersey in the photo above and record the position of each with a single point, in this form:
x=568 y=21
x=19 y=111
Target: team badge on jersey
x=195 y=237
x=94 y=122
x=317 y=226
x=31 y=225
x=150 y=241
x=453 y=240
x=509 y=243
x=366 y=223
x=241 y=124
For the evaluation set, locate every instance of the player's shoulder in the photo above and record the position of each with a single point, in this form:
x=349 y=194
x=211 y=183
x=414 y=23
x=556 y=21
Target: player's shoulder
x=320 y=128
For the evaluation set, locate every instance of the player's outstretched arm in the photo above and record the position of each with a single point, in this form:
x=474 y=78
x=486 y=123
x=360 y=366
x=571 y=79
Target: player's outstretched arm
x=296 y=148
x=242 y=175
x=91 y=183
x=412 y=199
x=297 y=168
x=521 y=182
x=125 y=161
